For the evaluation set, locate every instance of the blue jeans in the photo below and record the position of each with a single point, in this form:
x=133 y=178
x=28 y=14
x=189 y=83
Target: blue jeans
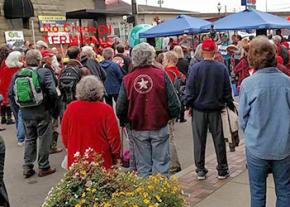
x=258 y=173
x=151 y=151
x=20 y=127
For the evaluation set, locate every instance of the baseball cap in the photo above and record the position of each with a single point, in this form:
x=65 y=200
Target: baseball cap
x=208 y=45
x=41 y=43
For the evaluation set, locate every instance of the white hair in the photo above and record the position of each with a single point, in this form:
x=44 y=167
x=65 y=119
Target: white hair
x=90 y=88
x=143 y=55
x=277 y=38
x=13 y=60
x=88 y=51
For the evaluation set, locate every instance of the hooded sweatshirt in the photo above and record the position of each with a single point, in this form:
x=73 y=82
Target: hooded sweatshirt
x=114 y=77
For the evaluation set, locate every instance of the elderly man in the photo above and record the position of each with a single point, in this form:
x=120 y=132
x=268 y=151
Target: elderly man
x=47 y=59
x=114 y=76
x=88 y=59
x=36 y=116
x=147 y=101
x=208 y=91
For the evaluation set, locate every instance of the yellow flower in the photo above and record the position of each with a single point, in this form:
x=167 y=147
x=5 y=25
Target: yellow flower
x=78 y=205
x=150 y=187
x=83 y=172
x=107 y=205
x=94 y=190
x=83 y=195
x=158 y=198
x=146 y=201
x=145 y=195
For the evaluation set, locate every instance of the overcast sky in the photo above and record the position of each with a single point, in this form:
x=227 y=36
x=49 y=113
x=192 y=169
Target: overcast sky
x=211 y=5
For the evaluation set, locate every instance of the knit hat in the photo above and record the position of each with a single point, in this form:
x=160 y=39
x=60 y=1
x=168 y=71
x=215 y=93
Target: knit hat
x=208 y=45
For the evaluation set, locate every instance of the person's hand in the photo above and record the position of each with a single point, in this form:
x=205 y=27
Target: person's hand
x=190 y=112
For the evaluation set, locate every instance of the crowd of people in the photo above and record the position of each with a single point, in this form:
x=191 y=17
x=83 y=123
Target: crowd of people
x=145 y=93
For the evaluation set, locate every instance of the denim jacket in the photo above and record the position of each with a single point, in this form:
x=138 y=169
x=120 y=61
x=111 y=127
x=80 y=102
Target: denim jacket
x=265 y=114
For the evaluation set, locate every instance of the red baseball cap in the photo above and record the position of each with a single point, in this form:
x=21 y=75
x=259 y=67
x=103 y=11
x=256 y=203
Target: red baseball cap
x=46 y=53
x=208 y=45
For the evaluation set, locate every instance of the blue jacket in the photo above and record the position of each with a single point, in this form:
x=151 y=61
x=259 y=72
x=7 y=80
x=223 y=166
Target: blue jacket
x=265 y=114
x=114 y=77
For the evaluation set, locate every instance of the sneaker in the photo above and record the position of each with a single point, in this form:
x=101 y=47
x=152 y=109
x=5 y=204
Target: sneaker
x=28 y=173
x=223 y=175
x=201 y=174
x=20 y=144
x=42 y=172
x=55 y=151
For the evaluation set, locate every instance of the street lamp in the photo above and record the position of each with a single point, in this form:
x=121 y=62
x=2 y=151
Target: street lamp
x=125 y=24
x=219 y=7
x=160 y=2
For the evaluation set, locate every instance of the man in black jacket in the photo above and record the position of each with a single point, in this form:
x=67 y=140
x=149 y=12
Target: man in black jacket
x=88 y=59
x=47 y=60
x=37 y=119
x=208 y=91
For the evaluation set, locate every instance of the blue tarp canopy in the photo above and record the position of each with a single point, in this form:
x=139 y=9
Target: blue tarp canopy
x=182 y=24
x=250 y=19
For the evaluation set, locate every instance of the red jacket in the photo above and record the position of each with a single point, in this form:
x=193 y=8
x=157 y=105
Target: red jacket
x=242 y=69
x=147 y=98
x=91 y=125
x=6 y=75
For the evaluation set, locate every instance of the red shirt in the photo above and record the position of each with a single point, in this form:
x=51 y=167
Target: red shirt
x=6 y=75
x=91 y=125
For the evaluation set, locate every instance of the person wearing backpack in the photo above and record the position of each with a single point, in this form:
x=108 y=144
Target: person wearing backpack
x=70 y=76
x=170 y=61
x=114 y=76
x=33 y=90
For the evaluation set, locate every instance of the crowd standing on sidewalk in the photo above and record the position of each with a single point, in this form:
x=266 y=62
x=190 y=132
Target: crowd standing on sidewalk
x=90 y=93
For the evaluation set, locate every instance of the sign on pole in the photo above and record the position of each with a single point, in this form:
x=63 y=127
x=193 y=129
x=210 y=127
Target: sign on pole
x=15 y=38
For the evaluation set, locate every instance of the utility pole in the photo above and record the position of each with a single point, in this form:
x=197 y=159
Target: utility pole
x=266 y=5
x=134 y=11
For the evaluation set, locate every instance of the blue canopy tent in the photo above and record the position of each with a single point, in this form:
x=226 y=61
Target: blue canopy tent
x=182 y=24
x=249 y=19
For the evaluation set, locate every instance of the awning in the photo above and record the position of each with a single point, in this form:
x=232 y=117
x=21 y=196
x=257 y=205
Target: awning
x=92 y=14
x=250 y=19
x=14 y=9
x=180 y=25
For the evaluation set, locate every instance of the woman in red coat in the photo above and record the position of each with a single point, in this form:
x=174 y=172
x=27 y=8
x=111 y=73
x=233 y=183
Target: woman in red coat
x=90 y=123
x=12 y=64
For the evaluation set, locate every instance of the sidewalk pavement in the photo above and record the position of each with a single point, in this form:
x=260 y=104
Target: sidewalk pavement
x=212 y=192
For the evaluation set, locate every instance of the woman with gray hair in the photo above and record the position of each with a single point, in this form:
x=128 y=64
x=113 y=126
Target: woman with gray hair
x=147 y=101
x=90 y=123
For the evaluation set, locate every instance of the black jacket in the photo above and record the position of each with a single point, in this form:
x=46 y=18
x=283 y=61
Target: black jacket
x=183 y=65
x=94 y=67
